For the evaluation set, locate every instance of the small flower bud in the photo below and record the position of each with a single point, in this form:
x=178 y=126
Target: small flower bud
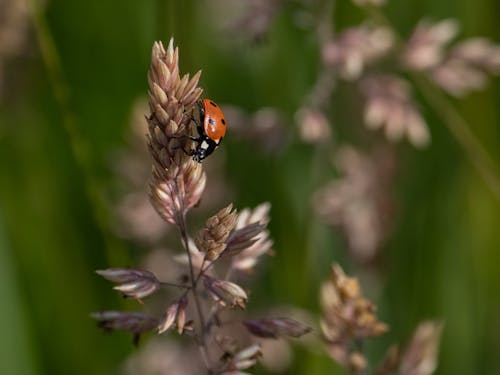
x=212 y=239
x=176 y=313
x=276 y=327
x=133 y=283
x=245 y=259
x=181 y=314
x=226 y=292
x=247 y=357
x=243 y=238
x=168 y=319
x=133 y=322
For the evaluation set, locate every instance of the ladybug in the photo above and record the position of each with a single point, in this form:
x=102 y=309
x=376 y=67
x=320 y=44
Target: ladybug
x=211 y=129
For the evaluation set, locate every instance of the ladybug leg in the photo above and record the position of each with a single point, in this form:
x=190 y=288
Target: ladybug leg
x=191 y=118
x=196 y=119
x=190 y=137
x=188 y=153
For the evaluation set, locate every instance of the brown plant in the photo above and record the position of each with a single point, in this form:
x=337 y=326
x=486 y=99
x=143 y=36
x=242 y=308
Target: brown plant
x=203 y=296
x=348 y=319
x=178 y=181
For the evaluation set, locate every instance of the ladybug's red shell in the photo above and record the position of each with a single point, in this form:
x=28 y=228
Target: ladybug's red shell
x=211 y=128
x=214 y=124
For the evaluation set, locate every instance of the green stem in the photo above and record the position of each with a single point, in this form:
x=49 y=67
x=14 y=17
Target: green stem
x=460 y=130
x=202 y=345
x=115 y=252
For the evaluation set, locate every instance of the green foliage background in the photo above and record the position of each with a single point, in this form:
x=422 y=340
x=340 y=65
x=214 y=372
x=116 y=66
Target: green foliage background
x=443 y=260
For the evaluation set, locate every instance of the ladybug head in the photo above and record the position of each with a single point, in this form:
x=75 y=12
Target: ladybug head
x=204 y=147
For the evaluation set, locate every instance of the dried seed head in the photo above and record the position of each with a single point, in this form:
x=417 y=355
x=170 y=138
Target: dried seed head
x=175 y=315
x=226 y=292
x=388 y=105
x=347 y=317
x=177 y=180
x=133 y=283
x=356 y=48
x=425 y=48
x=276 y=327
x=250 y=238
x=467 y=66
x=133 y=322
x=212 y=239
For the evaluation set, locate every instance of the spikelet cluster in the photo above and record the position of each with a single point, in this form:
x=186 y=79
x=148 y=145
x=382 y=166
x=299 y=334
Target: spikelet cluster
x=212 y=238
x=177 y=181
x=347 y=317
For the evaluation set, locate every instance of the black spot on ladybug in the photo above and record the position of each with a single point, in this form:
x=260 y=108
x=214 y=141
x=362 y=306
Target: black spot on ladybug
x=223 y=122
x=212 y=103
x=211 y=121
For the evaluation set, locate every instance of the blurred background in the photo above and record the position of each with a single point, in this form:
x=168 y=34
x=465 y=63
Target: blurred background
x=74 y=170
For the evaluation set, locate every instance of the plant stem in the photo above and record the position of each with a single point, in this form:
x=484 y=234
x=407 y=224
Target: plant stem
x=175 y=285
x=459 y=128
x=202 y=344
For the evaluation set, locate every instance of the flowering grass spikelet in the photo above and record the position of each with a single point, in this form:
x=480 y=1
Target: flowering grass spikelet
x=177 y=181
x=174 y=313
x=133 y=283
x=250 y=249
x=348 y=317
x=226 y=292
x=276 y=327
x=388 y=105
x=212 y=239
x=426 y=46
